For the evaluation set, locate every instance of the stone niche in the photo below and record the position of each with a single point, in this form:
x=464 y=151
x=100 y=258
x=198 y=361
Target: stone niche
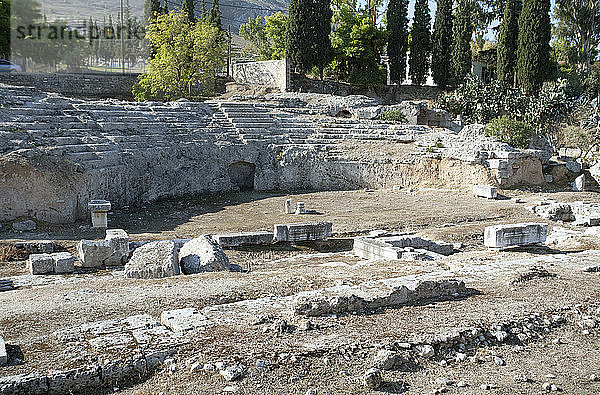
x=241 y=175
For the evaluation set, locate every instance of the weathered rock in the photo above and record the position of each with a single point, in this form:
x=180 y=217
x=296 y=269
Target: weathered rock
x=502 y=236
x=595 y=172
x=485 y=191
x=579 y=184
x=40 y=264
x=24 y=226
x=385 y=359
x=24 y=384
x=182 y=320
x=243 y=238
x=3 y=354
x=64 y=262
x=203 y=254
x=153 y=260
x=111 y=251
x=232 y=372
x=302 y=231
x=372 y=378
x=573 y=166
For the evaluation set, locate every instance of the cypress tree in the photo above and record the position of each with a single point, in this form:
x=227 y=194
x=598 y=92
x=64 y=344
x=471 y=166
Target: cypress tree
x=462 y=57
x=442 y=44
x=151 y=8
x=533 y=52
x=507 y=42
x=188 y=9
x=321 y=48
x=397 y=45
x=214 y=16
x=420 y=44
x=309 y=25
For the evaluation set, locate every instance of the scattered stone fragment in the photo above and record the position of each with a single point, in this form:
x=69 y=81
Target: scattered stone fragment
x=372 y=378
x=461 y=384
x=498 y=361
x=593 y=377
x=24 y=226
x=425 y=350
x=502 y=236
x=573 y=166
x=196 y=367
x=288 y=206
x=3 y=354
x=300 y=209
x=485 y=387
x=232 y=372
x=40 y=264
x=385 y=359
x=153 y=260
x=203 y=254
x=485 y=191
x=459 y=357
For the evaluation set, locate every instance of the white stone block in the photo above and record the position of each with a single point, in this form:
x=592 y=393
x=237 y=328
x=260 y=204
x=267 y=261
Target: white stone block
x=512 y=235
x=288 y=206
x=64 y=262
x=300 y=208
x=302 y=231
x=579 y=184
x=40 y=264
x=99 y=210
x=485 y=191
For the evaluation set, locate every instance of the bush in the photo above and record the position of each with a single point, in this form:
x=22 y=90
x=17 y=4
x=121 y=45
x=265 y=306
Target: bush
x=510 y=131
x=393 y=115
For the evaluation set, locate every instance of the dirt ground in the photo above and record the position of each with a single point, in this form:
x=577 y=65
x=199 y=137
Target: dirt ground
x=30 y=314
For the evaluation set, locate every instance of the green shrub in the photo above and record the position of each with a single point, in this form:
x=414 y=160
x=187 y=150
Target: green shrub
x=393 y=115
x=510 y=131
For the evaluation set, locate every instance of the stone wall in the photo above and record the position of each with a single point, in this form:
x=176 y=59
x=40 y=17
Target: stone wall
x=100 y=86
x=389 y=94
x=268 y=73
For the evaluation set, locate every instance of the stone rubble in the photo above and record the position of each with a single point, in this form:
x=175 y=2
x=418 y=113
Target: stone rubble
x=24 y=226
x=229 y=240
x=485 y=191
x=3 y=354
x=37 y=246
x=580 y=213
x=400 y=247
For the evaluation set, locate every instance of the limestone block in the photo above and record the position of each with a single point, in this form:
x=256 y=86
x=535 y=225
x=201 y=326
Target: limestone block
x=511 y=235
x=368 y=248
x=111 y=251
x=485 y=191
x=74 y=380
x=288 y=206
x=118 y=240
x=37 y=246
x=40 y=264
x=64 y=262
x=3 y=354
x=302 y=231
x=595 y=172
x=153 y=260
x=99 y=210
x=203 y=254
x=579 y=184
x=228 y=240
x=300 y=208
x=182 y=320
x=30 y=384
x=24 y=226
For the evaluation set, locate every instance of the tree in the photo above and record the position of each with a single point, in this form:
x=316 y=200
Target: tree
x=214 y=16
x=309 y=26
x=357 y=46
x=187 y=57
x=266 y=36
x=420 y=44
x=578 y=22
x=506 y=64
x=151 y=9
x=397 y=45
x=533 y=52
x=442 y=44
x=4 y=29
x=188 y=9
x=462 y=57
